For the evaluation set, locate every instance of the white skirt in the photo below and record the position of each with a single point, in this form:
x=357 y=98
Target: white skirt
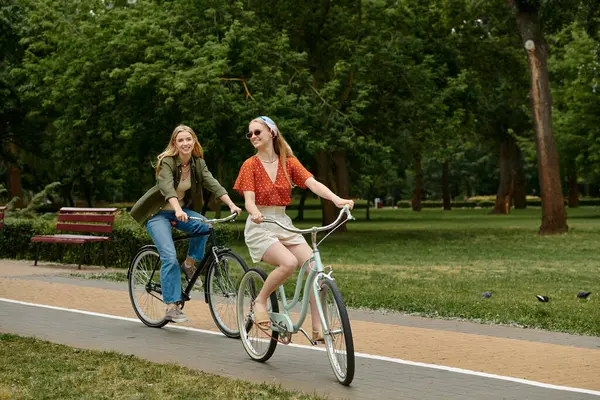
x=259 y=237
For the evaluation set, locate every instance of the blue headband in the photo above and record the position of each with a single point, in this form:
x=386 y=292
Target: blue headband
x=270 y=124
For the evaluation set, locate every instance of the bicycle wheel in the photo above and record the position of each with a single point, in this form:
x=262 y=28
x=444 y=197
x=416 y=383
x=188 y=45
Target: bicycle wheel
x=144 y=287
x=337 y=333
x=257 y=344
x=223 y=280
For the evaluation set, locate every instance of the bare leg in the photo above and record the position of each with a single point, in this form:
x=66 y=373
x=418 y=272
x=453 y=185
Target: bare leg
x=278 y=255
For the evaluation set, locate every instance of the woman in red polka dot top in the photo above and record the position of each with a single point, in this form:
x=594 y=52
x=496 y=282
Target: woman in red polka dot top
x=266 y=180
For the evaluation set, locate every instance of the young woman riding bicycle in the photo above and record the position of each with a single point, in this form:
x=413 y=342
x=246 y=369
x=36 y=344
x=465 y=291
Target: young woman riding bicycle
x=181 y=174
x=266 y=181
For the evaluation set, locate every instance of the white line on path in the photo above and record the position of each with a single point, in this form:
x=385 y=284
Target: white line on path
x=363 y=355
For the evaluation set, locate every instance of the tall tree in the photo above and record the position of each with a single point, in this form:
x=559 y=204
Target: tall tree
x=527 y=15
x=575 y=71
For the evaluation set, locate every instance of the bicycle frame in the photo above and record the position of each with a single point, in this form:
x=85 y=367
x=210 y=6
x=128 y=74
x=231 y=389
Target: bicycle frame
x=282 y=321
x=206 y=261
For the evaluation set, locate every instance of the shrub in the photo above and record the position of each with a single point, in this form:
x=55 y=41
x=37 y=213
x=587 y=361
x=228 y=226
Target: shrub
x=126 y=238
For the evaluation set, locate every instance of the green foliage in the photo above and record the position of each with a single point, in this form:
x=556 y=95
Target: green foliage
x=127 y=237
x=575 y=69
x=90 y=98
x=38 y=201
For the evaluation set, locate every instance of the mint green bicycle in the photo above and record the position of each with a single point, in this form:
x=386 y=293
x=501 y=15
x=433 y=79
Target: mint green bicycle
x=260 y=344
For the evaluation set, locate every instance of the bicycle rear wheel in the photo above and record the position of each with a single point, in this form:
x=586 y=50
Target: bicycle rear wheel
x=223 y=280
x=144 y=287
x=337 y=333
x=258 y=344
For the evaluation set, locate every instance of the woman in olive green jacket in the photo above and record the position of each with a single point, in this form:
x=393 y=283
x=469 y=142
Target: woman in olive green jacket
x=181 y=174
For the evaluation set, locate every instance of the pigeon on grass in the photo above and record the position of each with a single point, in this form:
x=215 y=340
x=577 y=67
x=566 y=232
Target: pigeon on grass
x=543 y=299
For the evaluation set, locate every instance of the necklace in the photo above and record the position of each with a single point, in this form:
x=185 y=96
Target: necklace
x=268 y=162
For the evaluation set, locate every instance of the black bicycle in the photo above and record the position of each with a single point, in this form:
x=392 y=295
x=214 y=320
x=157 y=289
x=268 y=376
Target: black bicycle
x=222 y=269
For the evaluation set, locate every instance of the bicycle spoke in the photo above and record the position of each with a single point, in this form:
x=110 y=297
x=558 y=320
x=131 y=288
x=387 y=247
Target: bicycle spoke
x=338 y=335
x=222 y=283
x=143 y=282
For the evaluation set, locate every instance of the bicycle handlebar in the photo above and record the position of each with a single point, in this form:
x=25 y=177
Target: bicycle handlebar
x=314 y=229
x=216 y=220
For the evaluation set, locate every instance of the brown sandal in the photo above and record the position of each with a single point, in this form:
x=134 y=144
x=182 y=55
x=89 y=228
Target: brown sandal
x=262 y=319
x=317 y=336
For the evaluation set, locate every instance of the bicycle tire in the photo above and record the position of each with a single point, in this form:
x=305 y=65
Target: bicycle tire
x=337 y=332
x=144 y=294
x=222 y=283
x=261 y=347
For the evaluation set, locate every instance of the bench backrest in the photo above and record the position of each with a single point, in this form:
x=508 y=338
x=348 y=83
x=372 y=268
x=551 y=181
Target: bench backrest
x=75 y=219
x=2 y=209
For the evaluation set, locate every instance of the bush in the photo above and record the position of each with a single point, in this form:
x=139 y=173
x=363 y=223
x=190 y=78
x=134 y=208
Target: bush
x=126 y=238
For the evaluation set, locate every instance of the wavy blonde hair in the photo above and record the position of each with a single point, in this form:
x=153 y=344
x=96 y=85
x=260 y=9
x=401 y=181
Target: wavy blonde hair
x=281 y=147
x=171 y=149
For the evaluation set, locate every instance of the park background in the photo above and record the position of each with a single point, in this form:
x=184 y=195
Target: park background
x=429 y=106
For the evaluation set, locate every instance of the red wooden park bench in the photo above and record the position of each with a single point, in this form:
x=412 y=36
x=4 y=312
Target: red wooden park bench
x=2 y=209
x=84 y=220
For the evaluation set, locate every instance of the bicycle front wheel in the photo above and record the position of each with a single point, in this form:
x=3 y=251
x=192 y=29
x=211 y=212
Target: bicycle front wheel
x=223 y=280
x=337 y=333
x=258 y=344
x=144 y=287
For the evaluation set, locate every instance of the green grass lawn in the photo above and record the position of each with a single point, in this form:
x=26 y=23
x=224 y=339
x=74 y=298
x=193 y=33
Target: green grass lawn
x=438 y=264
x=35 y=369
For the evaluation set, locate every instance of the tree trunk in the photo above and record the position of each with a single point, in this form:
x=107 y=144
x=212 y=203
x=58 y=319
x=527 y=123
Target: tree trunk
x=14 y=180
x=520 y=190
x=342 y=186
x=369 y=197
x=446 y=186
x=87 y=193
x=300 y=216
x=207 y=199
x=504 y=194
x=418 y=188
x=220 y=179
x=554 y=216
x=511 y=189
x=573 y=187
x=66 y=192
x=325 y=176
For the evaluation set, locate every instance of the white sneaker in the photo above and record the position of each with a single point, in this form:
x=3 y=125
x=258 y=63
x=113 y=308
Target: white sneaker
x=174 y=314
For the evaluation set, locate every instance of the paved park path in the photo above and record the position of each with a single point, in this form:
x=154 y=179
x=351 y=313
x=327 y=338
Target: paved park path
x=400 y=357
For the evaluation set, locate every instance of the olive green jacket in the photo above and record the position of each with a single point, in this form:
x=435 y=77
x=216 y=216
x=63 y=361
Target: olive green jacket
x=169 y=176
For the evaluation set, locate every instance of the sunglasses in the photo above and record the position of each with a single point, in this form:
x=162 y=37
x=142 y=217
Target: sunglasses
x=257 y=132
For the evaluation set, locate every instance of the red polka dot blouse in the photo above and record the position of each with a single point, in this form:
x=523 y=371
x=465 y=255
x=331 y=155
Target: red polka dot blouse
x=253 y=177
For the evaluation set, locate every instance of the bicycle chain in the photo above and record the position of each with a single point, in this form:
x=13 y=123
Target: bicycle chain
x=288 y=336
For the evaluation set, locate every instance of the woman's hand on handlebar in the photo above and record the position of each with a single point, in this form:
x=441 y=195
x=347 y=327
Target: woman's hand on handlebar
x=181 y=215
x=257 y=218
x=339 y=203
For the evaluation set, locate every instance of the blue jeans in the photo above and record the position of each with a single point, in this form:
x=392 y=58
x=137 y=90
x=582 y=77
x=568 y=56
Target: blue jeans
x=159 y=228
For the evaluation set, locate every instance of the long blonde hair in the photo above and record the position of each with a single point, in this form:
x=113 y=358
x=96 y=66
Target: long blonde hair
x=171 y=149
x=281 y=147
